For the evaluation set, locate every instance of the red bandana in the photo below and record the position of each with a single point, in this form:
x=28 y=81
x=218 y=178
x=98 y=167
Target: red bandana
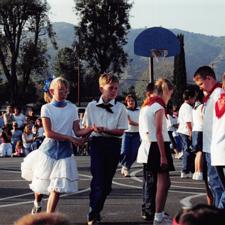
x=206 y=98
x=154 y=99
x=220 y=106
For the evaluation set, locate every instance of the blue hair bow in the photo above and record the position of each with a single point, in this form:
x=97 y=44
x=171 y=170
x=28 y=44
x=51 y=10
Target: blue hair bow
x=47 y=84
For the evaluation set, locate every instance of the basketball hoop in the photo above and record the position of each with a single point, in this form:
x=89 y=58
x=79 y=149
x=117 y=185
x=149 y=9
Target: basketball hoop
x=159 y=53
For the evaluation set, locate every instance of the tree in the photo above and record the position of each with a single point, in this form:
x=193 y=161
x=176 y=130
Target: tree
x=180 y=75
x=22 y=22
x=102 y=33
x=67 y=66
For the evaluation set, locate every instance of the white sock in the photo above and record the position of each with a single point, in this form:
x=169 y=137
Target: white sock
x=159 y=216
x=37 y=204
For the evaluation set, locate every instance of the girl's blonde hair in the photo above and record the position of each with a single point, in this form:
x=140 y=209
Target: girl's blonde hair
x=163 y=86
x=59 y=80
x=19 y=144
x=47 y=97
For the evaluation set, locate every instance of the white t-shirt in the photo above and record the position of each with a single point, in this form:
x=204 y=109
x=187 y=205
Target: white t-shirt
x=28 y=137
x=147 y=130
x=20 y=119
x=171 y=121
x=5 y=149
x=208 y=119
x=101 y=118
x=184 y=116
x=134 y=116
x=147 y=123
x=61 y=118
x=197 y=115
x=218 y=142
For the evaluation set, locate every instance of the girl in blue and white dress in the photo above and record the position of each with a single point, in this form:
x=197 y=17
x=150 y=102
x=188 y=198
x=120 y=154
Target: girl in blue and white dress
x=52 y=168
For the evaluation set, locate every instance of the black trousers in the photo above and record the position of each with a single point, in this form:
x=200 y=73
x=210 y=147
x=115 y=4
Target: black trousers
x=149 y=190
x=105 y=155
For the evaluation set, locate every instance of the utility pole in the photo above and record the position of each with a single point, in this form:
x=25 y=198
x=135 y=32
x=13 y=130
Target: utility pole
x=78 y=78
x=77 y=70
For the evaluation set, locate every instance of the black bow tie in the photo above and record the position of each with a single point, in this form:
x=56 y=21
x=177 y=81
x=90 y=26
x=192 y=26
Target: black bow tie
x=106 y=107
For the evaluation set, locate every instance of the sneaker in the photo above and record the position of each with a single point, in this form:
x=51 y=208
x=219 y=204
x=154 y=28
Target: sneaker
x=147 y=216
x=194 y=176
x=190 y=175
x=126 y=172
x=94 y=220
x=36 y=209
x=122 y=170
x=184 y=175
x=180 y=155
x=165 y=221
x=198 y=176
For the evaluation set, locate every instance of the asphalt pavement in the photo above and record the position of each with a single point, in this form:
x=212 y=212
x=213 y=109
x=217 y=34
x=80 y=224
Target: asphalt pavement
x=122 y=207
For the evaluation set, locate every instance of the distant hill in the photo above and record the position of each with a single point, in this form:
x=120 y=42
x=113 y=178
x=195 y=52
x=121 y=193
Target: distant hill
x=199 y=50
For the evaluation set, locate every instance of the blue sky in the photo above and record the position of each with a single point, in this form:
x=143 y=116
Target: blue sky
x=198 y=16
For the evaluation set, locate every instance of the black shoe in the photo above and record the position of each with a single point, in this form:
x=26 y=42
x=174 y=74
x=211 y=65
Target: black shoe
x=147 y=216
x=91 y=220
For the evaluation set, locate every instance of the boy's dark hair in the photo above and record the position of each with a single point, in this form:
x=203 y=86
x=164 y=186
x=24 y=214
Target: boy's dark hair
x=43 y=219
x=199 y=96
x=150 y=87
x=205 y=71
x=188 y=93
x=203 y=215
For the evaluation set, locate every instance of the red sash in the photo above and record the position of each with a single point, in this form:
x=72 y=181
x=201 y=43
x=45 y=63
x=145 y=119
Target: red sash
x=206 y=98
x=154 y=99
x=220 y=106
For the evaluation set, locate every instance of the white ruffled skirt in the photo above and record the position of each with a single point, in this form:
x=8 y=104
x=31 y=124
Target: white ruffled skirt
x=47 y=174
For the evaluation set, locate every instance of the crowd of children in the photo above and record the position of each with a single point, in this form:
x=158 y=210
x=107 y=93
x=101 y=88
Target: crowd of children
x=20 y=134
x=195 y=134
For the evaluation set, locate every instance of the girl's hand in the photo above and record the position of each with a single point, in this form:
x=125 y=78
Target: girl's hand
x=77 y=141
x=163 y=163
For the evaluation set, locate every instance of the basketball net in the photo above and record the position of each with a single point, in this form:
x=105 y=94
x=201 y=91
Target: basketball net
x=159 y=53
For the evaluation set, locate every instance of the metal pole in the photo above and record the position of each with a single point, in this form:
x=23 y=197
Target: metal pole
x=151 y=70
x=77 y=70
x=78 y=79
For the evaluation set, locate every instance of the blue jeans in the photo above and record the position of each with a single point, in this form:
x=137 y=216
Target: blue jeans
x=129 y=149
x=105 y=155
x=221 y=174
x=213 y=180
x=188 y=156
x=27 y=151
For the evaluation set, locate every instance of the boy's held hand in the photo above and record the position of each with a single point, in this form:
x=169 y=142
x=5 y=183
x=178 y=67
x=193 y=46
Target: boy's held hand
x=98 y=129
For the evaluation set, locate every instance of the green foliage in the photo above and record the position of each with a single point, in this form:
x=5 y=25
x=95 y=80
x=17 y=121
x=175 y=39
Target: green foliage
x=31 y=94
x=21 y=52
x=35 y=56
x=102 y=33
x=180 y=75
x=67 y=66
